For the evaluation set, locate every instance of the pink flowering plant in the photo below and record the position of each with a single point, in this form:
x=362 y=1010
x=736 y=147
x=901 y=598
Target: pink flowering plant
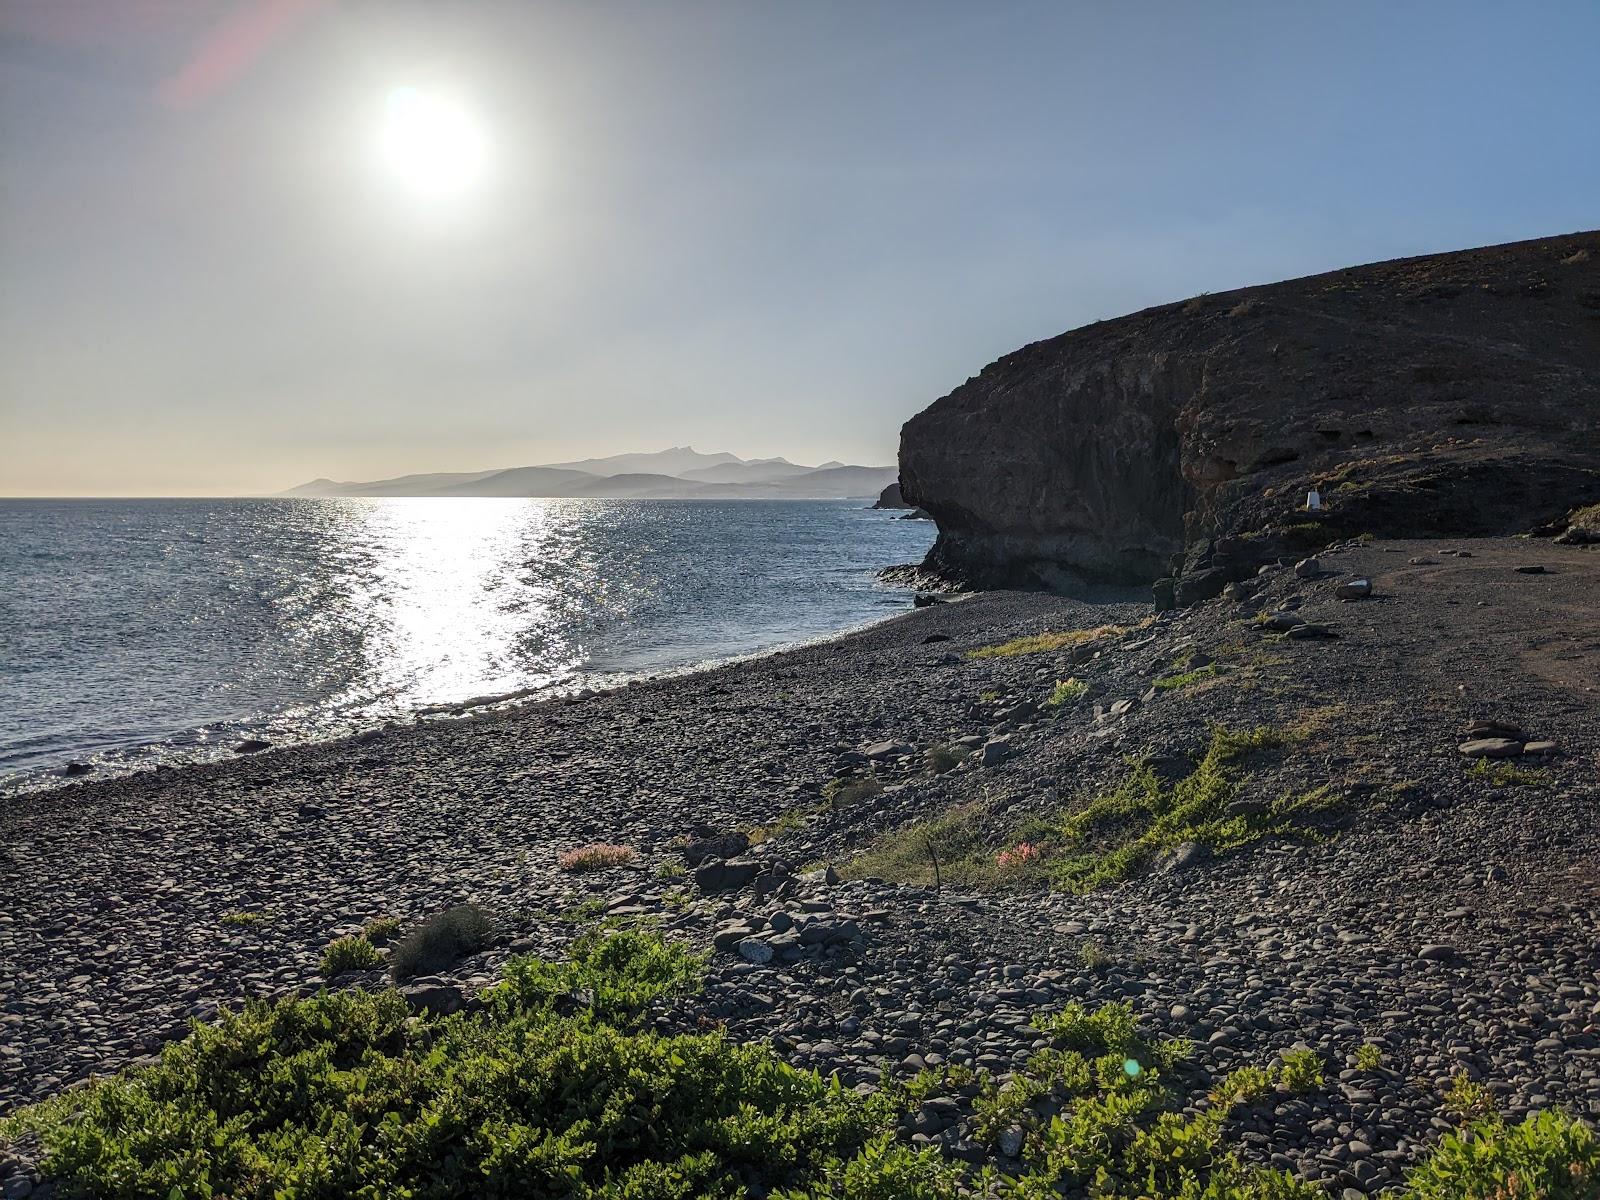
x=1020 y=855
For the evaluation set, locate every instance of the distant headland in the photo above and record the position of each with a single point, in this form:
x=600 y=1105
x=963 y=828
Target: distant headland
x=680 y=473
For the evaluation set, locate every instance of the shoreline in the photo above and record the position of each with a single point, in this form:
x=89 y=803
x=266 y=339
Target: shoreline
x=114 y=893
x=580 y=684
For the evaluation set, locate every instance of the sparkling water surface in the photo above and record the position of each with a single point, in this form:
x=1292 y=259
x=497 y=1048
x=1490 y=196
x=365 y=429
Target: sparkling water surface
x=141 y=630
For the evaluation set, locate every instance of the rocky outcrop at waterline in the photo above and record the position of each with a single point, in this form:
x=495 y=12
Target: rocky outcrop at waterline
x=1449 y=395
x=890 y=497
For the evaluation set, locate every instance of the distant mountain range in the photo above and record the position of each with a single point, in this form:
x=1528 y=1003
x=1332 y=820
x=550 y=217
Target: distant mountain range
x=681 y=473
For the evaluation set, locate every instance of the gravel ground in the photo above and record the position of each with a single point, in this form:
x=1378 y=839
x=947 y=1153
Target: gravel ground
x=1446 y=917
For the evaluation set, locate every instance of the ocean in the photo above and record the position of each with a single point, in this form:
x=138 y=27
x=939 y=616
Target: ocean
x=142 y=631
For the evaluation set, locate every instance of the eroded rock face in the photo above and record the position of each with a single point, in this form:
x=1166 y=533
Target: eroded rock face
x=1454 y=394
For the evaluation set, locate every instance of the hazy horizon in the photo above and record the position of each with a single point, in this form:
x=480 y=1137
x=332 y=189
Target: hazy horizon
x=246 y=245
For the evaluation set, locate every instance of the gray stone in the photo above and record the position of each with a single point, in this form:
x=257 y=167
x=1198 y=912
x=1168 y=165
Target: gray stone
x=434 y=995
x=1307 y=568
x=1354 y=589
x=881 y=750
x=996 y=750
x=1493 y=747
x=725 y=875
x=720 y=845
x=754 y=950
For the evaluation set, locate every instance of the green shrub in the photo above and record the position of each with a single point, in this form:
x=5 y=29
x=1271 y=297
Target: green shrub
x=882 y=1170
x=349 y=1094
x=345 y=1095
x=942 y=758
x=242 y=920
x=349 y=954
x=1369 y=1057
x=1301 y=1071
x=380 y=930
x=440 y=941
x=1109 y=1029
x=1116 y=834
x=1066 y=691
x=1548 y=1156
x=612 y=977
x=1468 y=1099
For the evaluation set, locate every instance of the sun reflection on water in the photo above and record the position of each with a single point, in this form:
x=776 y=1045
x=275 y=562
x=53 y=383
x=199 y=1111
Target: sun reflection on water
x=444 y=598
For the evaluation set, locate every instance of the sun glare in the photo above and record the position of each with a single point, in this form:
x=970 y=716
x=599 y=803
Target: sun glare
x=431 y=145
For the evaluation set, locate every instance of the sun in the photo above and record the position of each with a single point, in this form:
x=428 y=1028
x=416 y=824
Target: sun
x=431 y=144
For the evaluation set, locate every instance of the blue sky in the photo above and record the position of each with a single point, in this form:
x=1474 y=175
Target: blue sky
x=768 y=228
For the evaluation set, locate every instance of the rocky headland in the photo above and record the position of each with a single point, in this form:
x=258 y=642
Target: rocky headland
x=1448 y=395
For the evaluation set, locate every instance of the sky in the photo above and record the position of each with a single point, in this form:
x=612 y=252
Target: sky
x=768 y=228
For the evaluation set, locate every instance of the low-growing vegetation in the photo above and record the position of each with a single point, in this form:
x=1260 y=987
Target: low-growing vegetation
x=1500 y=773
x=1182 y=679
x=957 y=839
x=1066 y=691
x=596 y=856
x=1368 y=1057
x=941 y=758
x=440 y=941
x=1109 y=837
x=847 y=793
x=552 y=1090
x=381 y=930
x=1466 y=1097
x=242 y=920
x=1547 y=1156
x=352 y=953
x=1043 y=643
x=1118 y=834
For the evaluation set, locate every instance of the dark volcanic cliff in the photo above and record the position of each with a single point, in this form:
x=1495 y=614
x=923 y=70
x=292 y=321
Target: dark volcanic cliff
x=1454 y=394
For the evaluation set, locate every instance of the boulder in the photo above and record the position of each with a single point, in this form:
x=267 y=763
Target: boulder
x=725 y=875
x=754 y=950
x=1130 y=450
x=879 y=751
x=432 y=994
x=1491 y=747
x=1354 y=589
x=717 y=845
x=996 y=751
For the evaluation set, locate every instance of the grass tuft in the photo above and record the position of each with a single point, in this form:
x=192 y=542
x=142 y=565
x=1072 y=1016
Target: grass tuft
x=439 y=941
x=597 y=856
x=1043 y=643
x=381 y=930
x=1500 y=773
x=1171 y=683
x=1066 y=691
